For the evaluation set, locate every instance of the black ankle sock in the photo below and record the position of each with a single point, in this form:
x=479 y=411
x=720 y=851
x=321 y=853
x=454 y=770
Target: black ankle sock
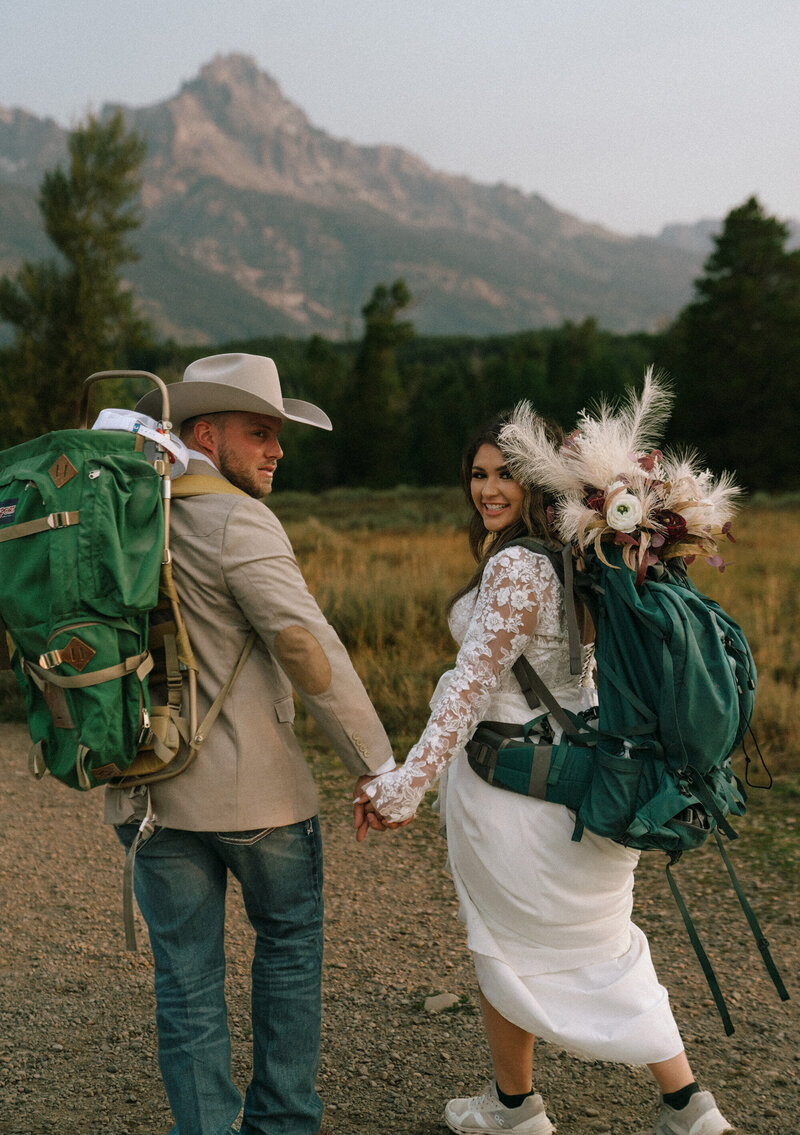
x=512 y=1101
x=679 y=1099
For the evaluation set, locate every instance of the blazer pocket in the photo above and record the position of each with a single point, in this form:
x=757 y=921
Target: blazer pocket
x=284 y=710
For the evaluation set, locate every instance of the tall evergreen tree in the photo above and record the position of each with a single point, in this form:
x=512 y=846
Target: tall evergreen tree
x=73 y=314
x=375 y=428
x=733 y=353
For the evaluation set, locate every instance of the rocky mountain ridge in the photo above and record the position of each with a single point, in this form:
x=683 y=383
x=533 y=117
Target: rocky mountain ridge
x=258 y=222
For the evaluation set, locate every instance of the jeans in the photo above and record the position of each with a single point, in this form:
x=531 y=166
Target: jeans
x=180 y=882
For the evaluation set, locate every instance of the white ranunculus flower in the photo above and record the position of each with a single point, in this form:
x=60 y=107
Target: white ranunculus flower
x=624 y=513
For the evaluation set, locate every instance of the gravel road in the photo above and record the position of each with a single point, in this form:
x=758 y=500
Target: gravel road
x=78 y=1042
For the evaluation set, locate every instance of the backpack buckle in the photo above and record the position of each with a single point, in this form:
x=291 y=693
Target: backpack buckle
x=60 y=519
x=144 y=731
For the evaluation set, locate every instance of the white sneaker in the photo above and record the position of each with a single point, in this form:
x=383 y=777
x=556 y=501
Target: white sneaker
x=469 y=1116
x=701 y=1116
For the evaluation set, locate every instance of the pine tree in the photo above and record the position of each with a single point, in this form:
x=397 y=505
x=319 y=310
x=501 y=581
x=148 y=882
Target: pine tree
x=734 y=353
x=73 y=314
x=375 y=428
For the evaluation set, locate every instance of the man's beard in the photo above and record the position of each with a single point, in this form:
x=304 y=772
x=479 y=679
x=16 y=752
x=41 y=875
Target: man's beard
x=234 y=470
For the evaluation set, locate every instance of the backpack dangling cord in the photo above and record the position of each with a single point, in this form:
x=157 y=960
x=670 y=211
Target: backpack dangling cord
x=761 y=941
x=748 y=761
x=146 y=829
x=702 y=956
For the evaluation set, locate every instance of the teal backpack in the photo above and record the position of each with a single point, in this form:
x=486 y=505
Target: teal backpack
x=676 y=688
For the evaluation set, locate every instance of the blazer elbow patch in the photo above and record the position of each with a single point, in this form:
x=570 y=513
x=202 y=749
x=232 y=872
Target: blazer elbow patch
x=303 y=659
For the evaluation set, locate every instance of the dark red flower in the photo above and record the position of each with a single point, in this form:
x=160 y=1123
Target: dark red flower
x=672 y=524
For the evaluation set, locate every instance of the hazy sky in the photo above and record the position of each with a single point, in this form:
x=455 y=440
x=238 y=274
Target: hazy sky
x=632 y=113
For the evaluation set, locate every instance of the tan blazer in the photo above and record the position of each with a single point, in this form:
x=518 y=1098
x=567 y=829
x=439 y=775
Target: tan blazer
x=234 y=569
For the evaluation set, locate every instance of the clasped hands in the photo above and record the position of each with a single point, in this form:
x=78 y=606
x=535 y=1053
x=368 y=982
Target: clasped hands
x=366 y=816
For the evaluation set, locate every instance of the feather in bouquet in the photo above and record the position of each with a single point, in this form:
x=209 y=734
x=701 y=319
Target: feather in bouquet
x=610 y=486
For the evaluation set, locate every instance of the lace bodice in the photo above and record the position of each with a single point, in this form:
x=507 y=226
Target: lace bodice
x=517 y=609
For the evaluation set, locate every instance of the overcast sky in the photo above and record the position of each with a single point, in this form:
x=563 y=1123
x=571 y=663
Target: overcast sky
x=632 y=113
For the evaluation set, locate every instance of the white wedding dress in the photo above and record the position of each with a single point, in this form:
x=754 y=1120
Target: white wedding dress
x=548 y=919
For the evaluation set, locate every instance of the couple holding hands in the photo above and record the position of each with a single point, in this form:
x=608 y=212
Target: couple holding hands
x=548 y=919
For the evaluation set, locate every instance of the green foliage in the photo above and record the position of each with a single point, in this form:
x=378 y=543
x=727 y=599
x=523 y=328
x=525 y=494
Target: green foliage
x=374 y=406
x=403 y=406
x=72 y=315
x=733 y=353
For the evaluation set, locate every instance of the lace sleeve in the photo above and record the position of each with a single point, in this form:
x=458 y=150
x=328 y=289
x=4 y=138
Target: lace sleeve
x=517 y=585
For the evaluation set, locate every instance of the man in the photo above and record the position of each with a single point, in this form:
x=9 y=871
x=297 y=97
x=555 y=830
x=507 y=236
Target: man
x=248 y=803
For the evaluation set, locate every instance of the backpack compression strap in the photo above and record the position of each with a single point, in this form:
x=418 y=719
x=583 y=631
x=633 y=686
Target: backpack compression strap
x=52 y=521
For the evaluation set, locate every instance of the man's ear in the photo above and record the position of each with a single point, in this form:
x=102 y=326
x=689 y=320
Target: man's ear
x=204 y=437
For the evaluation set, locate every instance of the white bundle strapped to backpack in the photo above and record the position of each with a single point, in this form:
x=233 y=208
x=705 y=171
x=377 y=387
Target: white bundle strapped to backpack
x=157 y=439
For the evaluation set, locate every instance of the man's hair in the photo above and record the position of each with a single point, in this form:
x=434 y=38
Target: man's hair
x=186 y=430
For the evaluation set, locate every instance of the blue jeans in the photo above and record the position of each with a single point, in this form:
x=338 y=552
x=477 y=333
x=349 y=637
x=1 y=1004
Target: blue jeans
x=180 y=882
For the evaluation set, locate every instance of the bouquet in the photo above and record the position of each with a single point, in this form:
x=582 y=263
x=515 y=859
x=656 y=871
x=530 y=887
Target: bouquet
x=610 y=486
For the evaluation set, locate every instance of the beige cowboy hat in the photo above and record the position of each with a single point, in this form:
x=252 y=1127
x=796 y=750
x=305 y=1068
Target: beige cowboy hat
x=221 y=383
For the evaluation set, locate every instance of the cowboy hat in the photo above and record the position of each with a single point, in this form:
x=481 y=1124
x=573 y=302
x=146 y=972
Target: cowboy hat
x=221 y=383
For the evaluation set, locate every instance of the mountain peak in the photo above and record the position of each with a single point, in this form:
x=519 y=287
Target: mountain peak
x=238 y=74
x=235 y=67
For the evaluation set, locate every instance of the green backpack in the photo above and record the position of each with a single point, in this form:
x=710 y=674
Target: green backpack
x=81 y=542
x=91 y=615
x=676 y=688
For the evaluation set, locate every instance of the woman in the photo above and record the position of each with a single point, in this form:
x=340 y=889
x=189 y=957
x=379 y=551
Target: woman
x=548 y=919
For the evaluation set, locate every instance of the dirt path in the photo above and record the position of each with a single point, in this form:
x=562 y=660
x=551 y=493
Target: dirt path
x=77 y=1038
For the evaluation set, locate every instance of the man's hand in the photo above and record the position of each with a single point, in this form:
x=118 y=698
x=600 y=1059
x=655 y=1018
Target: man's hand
x=365 y=816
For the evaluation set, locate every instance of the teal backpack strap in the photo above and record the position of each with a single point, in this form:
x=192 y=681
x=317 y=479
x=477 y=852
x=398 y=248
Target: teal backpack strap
x=622 y=687
x=534 y=688
x=564 y=566
x=761 y=941
x=702 y=793
x=573 y=630
x=702 y=956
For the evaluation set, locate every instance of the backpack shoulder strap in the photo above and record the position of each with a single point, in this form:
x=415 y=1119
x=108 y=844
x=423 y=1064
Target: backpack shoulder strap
x=200 y=484
x=564 y=567
x=534 y=689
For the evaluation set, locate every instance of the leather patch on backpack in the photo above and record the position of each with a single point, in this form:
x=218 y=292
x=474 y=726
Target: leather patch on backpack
x=105 y=772
x=62 y=470
x=77 y=653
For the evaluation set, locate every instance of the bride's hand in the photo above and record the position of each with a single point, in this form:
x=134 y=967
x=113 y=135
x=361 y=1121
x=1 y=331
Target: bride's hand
x=366 y=816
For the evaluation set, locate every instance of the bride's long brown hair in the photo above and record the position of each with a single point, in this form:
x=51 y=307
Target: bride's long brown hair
x=533 y=520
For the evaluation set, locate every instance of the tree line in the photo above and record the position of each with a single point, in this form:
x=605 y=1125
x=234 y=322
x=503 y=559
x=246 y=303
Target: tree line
x=404 y=405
